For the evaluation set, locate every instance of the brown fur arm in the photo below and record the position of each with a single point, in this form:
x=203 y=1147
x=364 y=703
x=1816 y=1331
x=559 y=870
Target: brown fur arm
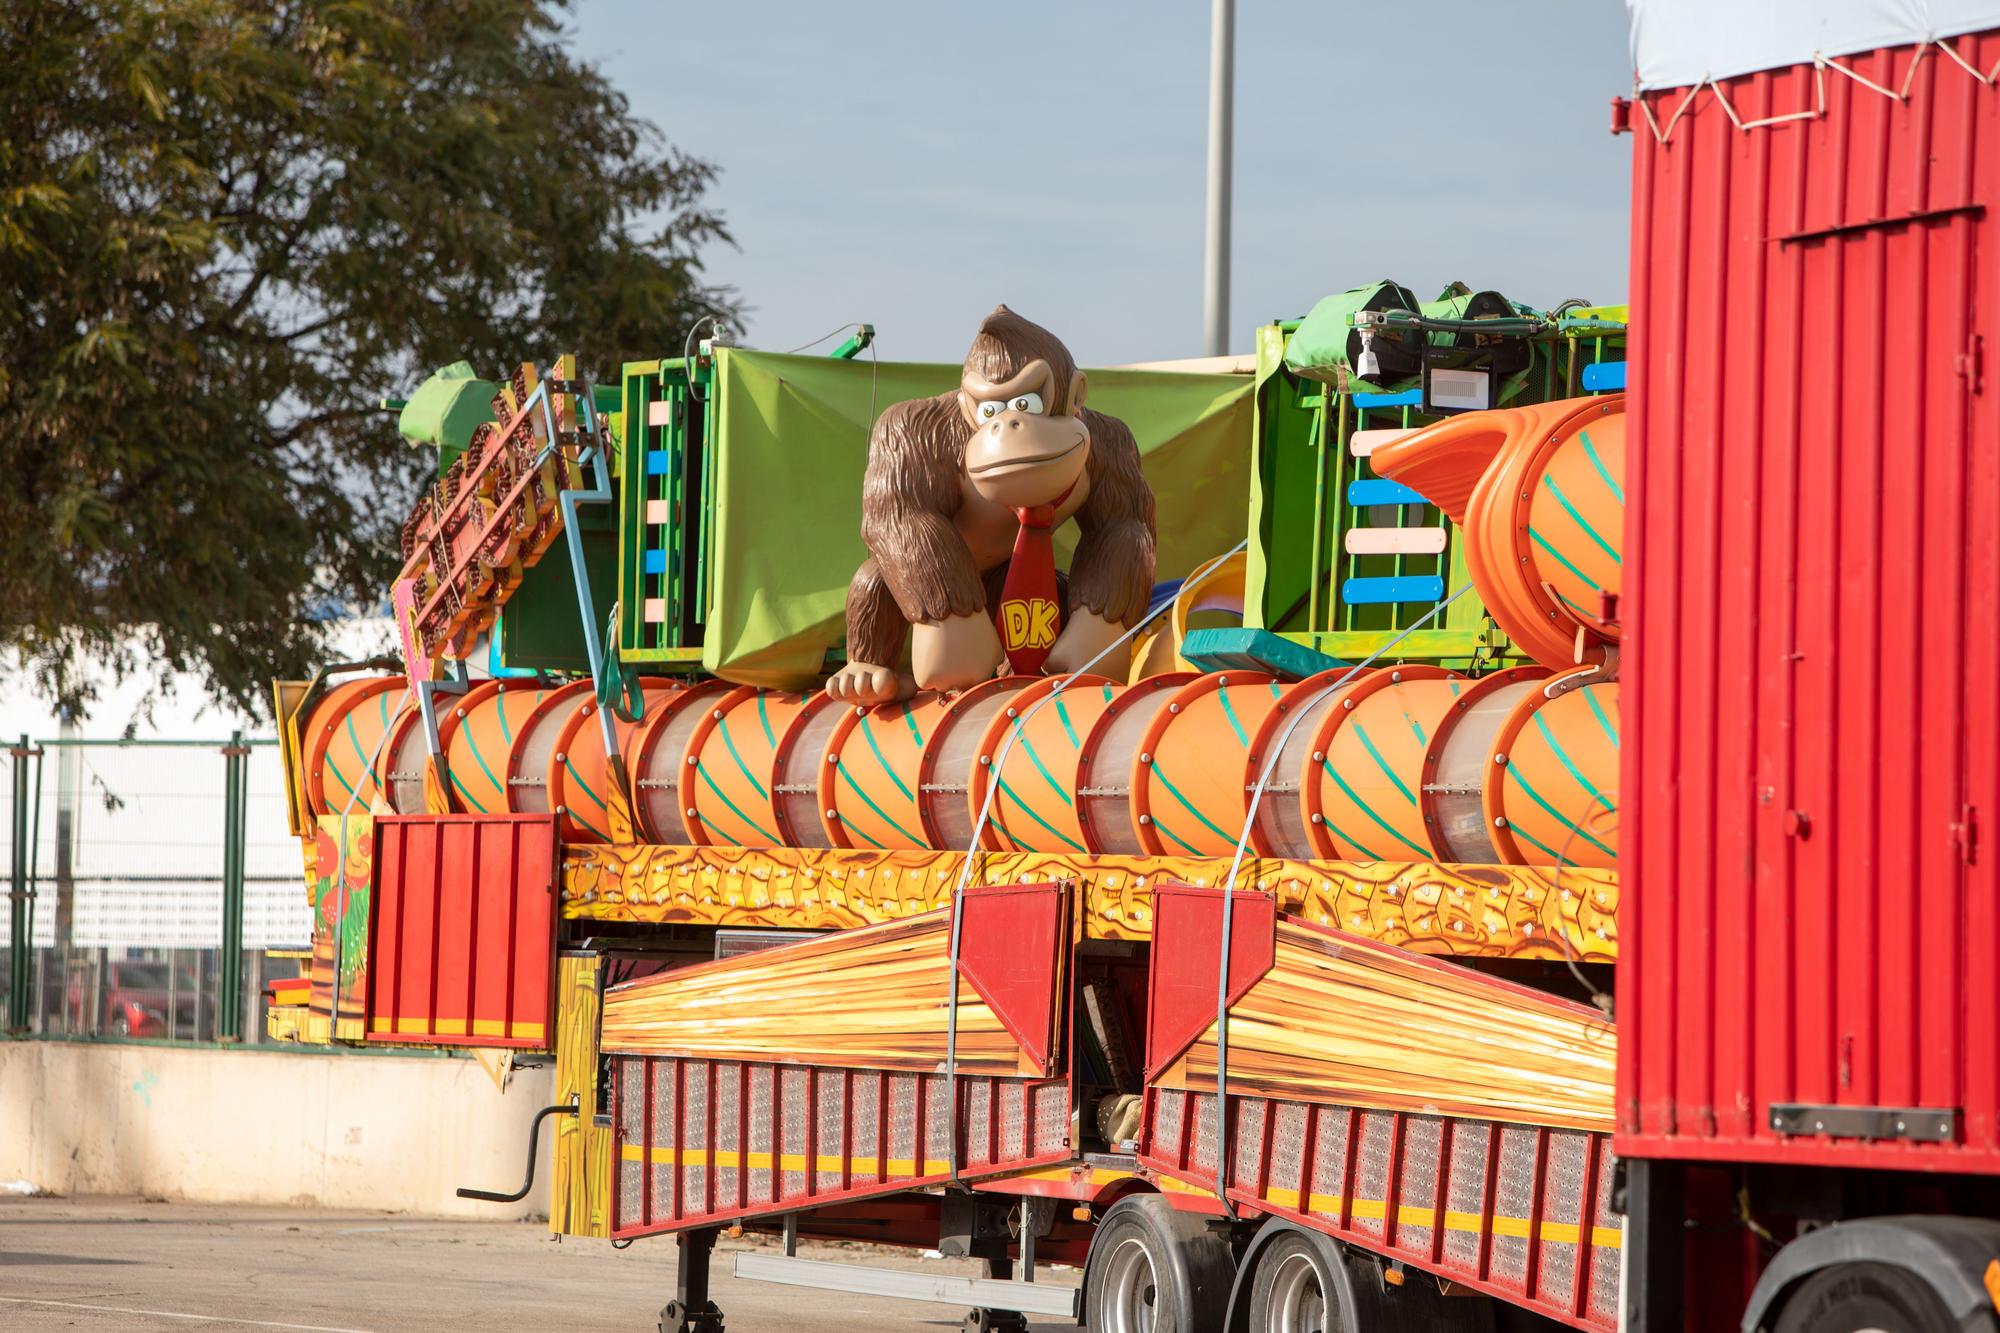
x=1112 y=572
x=876 y=631
x=908 y=499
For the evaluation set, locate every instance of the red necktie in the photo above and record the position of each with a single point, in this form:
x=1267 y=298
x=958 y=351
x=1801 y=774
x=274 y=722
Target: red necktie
x=1029 y=614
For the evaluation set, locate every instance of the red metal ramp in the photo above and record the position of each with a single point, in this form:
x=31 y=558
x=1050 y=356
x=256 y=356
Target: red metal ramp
x=1414 y=1108
x=461 y=932
x=816 y=1072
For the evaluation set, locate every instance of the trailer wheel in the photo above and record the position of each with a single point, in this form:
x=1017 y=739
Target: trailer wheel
x=1154 y=1270
x=1288 y=1292
x=1864 y=1298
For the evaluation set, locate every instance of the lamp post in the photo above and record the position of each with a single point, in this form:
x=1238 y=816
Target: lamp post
x=1221 y=94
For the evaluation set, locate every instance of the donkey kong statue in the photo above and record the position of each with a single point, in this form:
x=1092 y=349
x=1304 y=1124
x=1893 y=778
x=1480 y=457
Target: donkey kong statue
x=959 y=508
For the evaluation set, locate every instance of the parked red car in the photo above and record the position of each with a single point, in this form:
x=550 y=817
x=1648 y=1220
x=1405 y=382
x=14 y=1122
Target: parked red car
x=136 y=997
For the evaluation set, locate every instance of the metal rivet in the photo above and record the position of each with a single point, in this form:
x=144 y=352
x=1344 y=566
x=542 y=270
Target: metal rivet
x=833 y=758
x=690 y=812
x=717 y=715
x=562 y=809
x=1501 y=822
x=693 y=760
x=985 y=760
x=833 y=816
x=1145 y=819
x=1347 y=703
x=1012 y=713
x=1319 y=756
x=1395 y=677
x=861 y=710
x=1173 y=708
x=1500 y=759
x=1145 y=759
x=1319 y=819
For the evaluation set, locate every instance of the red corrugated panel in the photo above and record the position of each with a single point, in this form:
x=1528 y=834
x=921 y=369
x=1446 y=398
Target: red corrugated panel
x=461 y=938
x=1813 y=660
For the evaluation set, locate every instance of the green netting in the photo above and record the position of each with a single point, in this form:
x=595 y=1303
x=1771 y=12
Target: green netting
x=794 y=441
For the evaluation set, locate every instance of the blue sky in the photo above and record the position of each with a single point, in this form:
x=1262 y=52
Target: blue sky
x=911 y=164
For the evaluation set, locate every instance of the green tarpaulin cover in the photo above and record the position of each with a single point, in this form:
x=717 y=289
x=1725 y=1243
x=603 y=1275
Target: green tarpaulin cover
x=794 y=434
x=446 y=409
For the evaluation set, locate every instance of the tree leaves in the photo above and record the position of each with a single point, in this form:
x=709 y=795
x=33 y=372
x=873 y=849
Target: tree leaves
x=228 y=228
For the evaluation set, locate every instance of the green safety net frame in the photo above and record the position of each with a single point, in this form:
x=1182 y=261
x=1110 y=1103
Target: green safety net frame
x=792 y=442
x=1299 y=511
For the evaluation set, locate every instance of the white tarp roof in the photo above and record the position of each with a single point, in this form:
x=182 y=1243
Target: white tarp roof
x=1676 y=43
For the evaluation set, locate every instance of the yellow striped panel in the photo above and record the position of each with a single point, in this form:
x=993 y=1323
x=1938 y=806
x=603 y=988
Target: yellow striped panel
x=856 y=1166
x=1415 y=1215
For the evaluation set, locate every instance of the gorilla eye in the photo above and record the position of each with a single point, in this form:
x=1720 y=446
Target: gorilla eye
x=1027 y=402
x=988 y=411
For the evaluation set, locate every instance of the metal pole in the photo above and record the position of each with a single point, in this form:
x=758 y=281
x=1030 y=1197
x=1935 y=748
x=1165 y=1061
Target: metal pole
x=1221 y=134
x=69 y=784
x=18 y=941
x=229 y=967
x=69 y=790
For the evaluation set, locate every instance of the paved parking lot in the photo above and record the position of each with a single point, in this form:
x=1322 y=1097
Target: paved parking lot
x=126 y=1265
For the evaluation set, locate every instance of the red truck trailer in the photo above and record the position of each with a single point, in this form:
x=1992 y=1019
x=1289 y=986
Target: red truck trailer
x=1809 y=991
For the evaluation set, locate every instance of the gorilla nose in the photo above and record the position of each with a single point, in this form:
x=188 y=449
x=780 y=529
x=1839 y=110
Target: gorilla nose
x=1014 y=424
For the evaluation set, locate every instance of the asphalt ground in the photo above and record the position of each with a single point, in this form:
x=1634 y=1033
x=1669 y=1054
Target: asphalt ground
x=137 y=1266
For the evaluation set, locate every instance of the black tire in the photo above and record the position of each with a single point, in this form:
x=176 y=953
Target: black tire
x=1849 y=1298
x=1292 y=1288
x=1147 y=1258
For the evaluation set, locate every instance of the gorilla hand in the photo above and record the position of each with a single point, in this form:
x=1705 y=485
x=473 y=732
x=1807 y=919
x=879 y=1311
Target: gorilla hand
x=956 y=652
x=1084 y=636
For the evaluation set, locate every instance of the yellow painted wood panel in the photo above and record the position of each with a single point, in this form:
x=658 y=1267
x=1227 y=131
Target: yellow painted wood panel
x=580 y=1196
x=1448 y=910
x=872 y=998
x=1356 y=1024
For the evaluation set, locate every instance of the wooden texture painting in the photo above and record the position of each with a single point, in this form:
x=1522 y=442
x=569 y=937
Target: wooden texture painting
x=1345 y=1021
x=873 y=998
x=1448 y=910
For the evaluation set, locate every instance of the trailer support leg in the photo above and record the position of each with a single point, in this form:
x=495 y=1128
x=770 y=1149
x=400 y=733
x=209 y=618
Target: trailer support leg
x=1001 y=1268
x=1655 y=1245
x=691 y=1311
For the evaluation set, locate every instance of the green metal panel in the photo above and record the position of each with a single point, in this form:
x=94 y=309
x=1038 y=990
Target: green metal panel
x=665 y=447
x=539 y=629
x=1300 y=514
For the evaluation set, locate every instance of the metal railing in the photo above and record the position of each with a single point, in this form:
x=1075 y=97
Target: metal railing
x=139 y=903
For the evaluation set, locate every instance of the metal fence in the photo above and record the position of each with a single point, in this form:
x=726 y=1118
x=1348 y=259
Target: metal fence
x=153 y=891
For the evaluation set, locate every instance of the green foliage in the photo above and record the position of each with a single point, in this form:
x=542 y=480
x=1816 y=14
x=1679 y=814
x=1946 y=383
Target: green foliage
x=228 y=228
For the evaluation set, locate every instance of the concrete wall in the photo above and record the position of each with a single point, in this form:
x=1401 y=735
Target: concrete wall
x=246 y=1126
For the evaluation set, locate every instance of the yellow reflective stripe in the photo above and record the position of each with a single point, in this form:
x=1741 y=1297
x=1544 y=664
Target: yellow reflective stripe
x=456 y=1027
x=858 y=1166
x=1414 y=1215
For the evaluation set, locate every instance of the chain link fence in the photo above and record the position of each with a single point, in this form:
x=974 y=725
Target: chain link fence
x=152 y=889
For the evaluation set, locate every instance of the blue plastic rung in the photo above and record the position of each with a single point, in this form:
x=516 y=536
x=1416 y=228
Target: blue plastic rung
x=1599 y=376
x=1371 y=401
x=1378 y=492
x=655 y=562
x=658 y=462
x=1375 y=592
